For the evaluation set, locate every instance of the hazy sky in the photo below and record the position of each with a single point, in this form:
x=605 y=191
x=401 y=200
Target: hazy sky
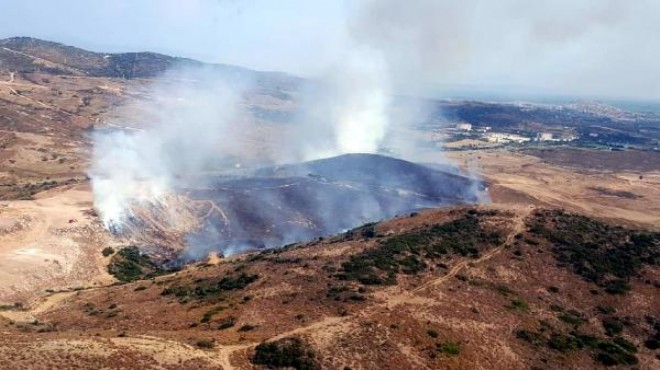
x=596 y=47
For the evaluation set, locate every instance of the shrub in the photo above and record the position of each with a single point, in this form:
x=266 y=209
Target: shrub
x=129 y=265
x=606 y=309
x=209 y=288
x=450 y=348
x=290 y=352
x=612 y=354
x=227 y=323
x=107 y=251
x=209 y=314
x=572 y=317
x=246 y=327
x=432 y=333
x=612 y=326
x=519 y=304
x=563 y=343
x=529 y=336
x=205 y=343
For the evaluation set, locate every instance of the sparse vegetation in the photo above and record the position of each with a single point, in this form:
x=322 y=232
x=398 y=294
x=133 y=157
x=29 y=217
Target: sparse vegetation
x=612 y=325
x=518 y=304
x=129 y=265
x=406 y=253
x=210 y=289
x=246 y=327
x=449 y=348
x=618 y=351
x=572 y=317
x=205 y=343
x=290 y=352
x=212 y=312
x=227 y=323
x=603 y=254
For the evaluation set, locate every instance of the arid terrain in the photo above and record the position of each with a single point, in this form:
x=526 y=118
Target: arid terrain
x=559 y=269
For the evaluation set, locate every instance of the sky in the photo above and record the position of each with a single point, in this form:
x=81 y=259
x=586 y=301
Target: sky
x=606 y=48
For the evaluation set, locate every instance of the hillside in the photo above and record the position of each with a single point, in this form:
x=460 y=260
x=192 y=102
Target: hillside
x=26 y=54
x=459 y=288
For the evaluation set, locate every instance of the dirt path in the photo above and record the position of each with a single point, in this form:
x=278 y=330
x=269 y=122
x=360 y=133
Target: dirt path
x=227 y=352
x=518 y=227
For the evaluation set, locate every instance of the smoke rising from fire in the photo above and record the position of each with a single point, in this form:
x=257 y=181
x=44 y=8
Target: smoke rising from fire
x=188 y=131
x=196 y=124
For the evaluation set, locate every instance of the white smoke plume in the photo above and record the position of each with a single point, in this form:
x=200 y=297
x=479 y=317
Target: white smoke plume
x=188 y=131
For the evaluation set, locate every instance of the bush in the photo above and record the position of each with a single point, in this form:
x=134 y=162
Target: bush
x=432 y=333
x=107 y=251
x=450 y=348
x=612 y=354
x=205 y=343
x=246 y=327
x=563 y=343
x=212 y=312
x=606 y=309
x=572 y=317
x=129 y=265
x=519 y=304
x=529 y=336
x=290 y=352
x=612 y=326
x=210 y=288
x=227 y=323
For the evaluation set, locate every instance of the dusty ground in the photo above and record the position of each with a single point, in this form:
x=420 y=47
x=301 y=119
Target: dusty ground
x=631 y=195
x=466 y=302
x=51 y=242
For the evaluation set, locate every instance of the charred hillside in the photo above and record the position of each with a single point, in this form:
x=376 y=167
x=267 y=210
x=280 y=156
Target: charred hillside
x=284 y=204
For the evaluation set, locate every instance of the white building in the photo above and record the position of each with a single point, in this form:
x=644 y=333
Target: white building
x=500 y=137
x=545 y=136
x=464 y=127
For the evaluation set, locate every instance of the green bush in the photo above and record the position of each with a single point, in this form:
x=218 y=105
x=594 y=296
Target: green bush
x=209 y=288
x=290 y=352
x=227 y=323
x=612 y=326
x=129 y=265
x=529 y=336
x=450 y=348
x=518 y=304
x=612 y=354
x=246 y=327
x=205 y=343
x=107 y=251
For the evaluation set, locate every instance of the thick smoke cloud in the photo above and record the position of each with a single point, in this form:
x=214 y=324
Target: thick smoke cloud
x=188 y=131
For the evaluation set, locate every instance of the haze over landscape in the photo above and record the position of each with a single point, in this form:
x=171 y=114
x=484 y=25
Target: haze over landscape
x=329 y=185
x=583 y=47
